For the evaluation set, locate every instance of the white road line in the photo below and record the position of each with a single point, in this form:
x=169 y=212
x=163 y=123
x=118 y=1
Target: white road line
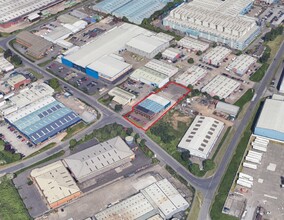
x=272 y=197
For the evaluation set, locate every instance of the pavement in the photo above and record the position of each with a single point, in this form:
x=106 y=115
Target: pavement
x=207 y=186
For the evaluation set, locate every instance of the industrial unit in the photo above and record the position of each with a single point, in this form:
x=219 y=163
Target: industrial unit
x=160 y=200
x=13 y=11
x=191 y=76
x=221 y=86
x=216 y=55
x=5 y=65
x=98 y=159
x=135 y=10
x=227 y=108
x=218 y=21
x=150 y=77
x=16 y=81
x=270 y=122
x=36 y=45
x=147 y=46
x=162 y=67
x=281 y=88
x=111 y=42
x=201 y=136
x=121 y=96
x=241 y=64
x=193 y=44
x=42 y=119
x=152 y=105
x=172 y=54
x=55 y=183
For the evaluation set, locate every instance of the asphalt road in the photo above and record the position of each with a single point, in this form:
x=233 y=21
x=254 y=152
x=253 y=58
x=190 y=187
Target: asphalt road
x=206 y=186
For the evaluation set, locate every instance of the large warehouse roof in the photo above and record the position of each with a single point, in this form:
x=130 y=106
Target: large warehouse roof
x=42 y=119
x=5 y=65
x=154 y=103
x=201 y=136
x=121 y=96
x=55 y=182
x=91 y=161
x=162 y=67
x=227 y=108
x=221 y=86
x=193 y=44
x=216 y=55
x=111 y=41
x=191 y=76
x=270 y=122
x=242 y=63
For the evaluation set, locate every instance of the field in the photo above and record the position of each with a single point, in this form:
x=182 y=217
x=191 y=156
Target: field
x=74 y=130
x=274 y=46
x=12 y=207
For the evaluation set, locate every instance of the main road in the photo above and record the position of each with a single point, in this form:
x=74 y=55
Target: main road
x=207 y=186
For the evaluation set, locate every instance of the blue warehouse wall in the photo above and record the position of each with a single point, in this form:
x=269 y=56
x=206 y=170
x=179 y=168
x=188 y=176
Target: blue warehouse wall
x=92 y=73
x=66 y=62
x=269 y=133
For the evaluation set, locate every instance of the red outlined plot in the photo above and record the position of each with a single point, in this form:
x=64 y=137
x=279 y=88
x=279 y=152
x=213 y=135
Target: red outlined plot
x=158 y=117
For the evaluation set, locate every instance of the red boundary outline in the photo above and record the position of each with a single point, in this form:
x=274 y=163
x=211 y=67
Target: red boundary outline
x=166 y=85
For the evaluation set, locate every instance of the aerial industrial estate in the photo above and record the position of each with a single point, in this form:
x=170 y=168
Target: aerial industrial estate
x=141 y=110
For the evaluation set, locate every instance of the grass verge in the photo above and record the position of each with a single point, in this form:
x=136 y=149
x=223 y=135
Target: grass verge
x=274 y=46
x=12 y=206
x=74 y=130
x=196 y=205
x=52 y=157
x=45 y=63
x=35 y=73
x=259 y=74
x=245 y=98
x=50 y=145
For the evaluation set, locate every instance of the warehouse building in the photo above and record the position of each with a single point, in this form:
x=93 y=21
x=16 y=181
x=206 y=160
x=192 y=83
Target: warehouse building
x=227 y=108
x=42 y=119
x=55 y=184
x=98 y=159
x=241 y=64
x=160 y=200
x=216 y=55
x=147 y=46
x=221 y=86
x=57 y=34
x=201 y=136
x=110 y=42
x=151 y=106
x=36 y=46
x=135 y=10
x=193 y=44
x=162 y=67
x=5 y=65
x=17 y=81
x=281 y=88
x=150 y=77
x=270 y=122
x=191 y=76
x=14 y=11
x=172 y=54
x=121 y=96
x=217 y=21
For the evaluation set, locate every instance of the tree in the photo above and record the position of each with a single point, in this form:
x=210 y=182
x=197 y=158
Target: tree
x=118 y=107
x=7 y=53
x=195 y=92
x=208 y=164
x=198 y=53
x=142 y=143
x=136 y=136
x=158 y=56
x=190 y=86
x=72 y=142
x=216 y=97
x=214 y=44
x=16 y=60
x=185 y=155
x=129 y=131
x=190 y=60
x=54 y=83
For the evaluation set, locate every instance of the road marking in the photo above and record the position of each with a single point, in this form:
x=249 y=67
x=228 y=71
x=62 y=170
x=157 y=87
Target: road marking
x=272 y=197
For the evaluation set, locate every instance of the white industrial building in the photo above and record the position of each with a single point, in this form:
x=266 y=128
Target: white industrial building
x=172 y=54
x=110 y=68
x=241 y=64
x=5 y=65
x=270 y=122
x=191 y=76
x=216 y=55
x=281 y=88
x=201 y=136
x=121 y=96
x=147 y=46
x=227 y=108
x=221 y=86
x=98 y=159
x=150 y=77
x=193 y=44
x=57 y=34
x=162 y=67
x=218 y=21
x=160 y=200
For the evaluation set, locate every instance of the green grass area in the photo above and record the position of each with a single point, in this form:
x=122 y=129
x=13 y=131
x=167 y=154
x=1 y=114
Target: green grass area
x=45 y=63
x=74 y=130
x=221 y=143
x=2 y=143
x=35 y=73
x=11 y=204
x=259 y=74
x=274 y=46
x=105 y=100
x=47 y=147
x=52 y=157
x=245 y=98
x=7 y=156
x=228 y=178
x=195 y=207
